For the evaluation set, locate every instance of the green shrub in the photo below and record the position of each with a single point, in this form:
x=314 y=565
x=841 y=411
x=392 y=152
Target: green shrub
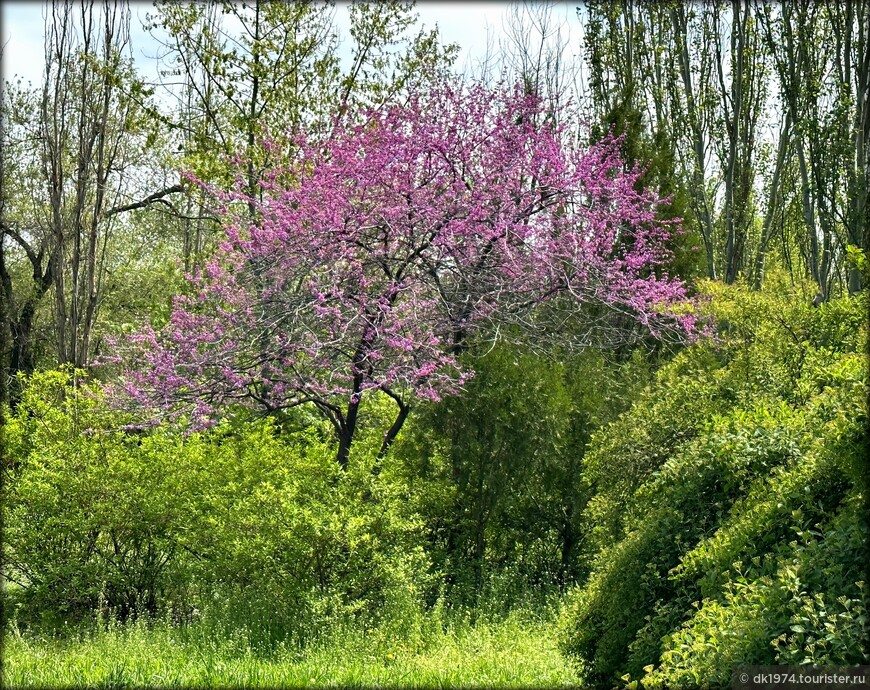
x=245 y=525
x=803 y=604
x=92 y=518
x=725 y=515
x=291 y=544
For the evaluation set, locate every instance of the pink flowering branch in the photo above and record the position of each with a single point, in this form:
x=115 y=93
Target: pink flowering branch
x=378 y=255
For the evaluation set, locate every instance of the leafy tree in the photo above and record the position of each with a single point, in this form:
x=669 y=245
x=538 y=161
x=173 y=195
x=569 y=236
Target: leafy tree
x=245 y=69
x=501 y=466
x=238 y=72
x=379 y=253
x=713 y=77
x=486 y=449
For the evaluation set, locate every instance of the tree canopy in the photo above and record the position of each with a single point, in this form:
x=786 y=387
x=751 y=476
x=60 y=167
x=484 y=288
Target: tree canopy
x=377 y=253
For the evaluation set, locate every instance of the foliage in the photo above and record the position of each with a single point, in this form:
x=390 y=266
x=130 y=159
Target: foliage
x=289 y=543
x=376 y=256
x=502 y=503
x=701 y=570
x=84 y=526
x=261 y=68
x=250 y=523
x=784 y=185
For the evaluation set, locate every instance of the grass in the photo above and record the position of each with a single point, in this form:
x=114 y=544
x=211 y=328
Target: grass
x=516 y=652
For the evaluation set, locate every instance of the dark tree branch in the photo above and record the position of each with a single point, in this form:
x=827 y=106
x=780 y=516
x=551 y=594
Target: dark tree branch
x=21 y=242
x=396 y=427
x=157 y=197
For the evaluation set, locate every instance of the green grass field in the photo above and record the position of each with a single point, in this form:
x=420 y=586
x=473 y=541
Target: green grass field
x=512 y=653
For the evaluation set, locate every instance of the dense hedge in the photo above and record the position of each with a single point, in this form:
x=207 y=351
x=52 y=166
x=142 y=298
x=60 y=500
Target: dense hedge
x=729 y=513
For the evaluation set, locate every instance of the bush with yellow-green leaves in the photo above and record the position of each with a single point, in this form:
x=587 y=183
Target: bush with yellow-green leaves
x=729 y=522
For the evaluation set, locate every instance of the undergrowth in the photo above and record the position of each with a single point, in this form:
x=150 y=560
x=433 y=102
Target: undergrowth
x=443 y=651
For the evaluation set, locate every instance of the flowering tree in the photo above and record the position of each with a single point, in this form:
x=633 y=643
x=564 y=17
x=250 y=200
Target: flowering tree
x=378 y=254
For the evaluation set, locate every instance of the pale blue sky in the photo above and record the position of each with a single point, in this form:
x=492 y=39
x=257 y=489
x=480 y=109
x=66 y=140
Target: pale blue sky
x=466 y=23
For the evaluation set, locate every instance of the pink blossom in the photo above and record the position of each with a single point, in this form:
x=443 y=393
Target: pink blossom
x=400 y=241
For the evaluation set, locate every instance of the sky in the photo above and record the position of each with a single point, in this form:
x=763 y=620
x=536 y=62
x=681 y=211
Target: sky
x=465 y=23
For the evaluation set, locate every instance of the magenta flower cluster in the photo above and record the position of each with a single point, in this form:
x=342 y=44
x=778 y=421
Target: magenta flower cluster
x=376 y=255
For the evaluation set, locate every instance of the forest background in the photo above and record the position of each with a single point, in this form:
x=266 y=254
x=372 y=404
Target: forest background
x=601 y=503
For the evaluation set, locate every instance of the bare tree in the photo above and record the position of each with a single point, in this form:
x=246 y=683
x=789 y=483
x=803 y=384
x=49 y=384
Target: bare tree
x=76 y=144
x=535 y=51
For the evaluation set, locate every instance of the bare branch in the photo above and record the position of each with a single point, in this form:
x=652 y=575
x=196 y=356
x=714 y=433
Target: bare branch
x=157 y=197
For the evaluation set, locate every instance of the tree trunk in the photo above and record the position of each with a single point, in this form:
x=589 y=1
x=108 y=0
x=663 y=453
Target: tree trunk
x=700 y=197
x=397 y=425
x=346 y=433
x=569 y=544
x=347 y=425
x=861 y=231
x=772 y=203
x=18 y=321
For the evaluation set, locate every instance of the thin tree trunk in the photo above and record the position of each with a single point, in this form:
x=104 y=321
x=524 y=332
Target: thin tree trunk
x=396 y=427
x=772 y=203
x=732 y=213
x=861 y=227
x=698 y=187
